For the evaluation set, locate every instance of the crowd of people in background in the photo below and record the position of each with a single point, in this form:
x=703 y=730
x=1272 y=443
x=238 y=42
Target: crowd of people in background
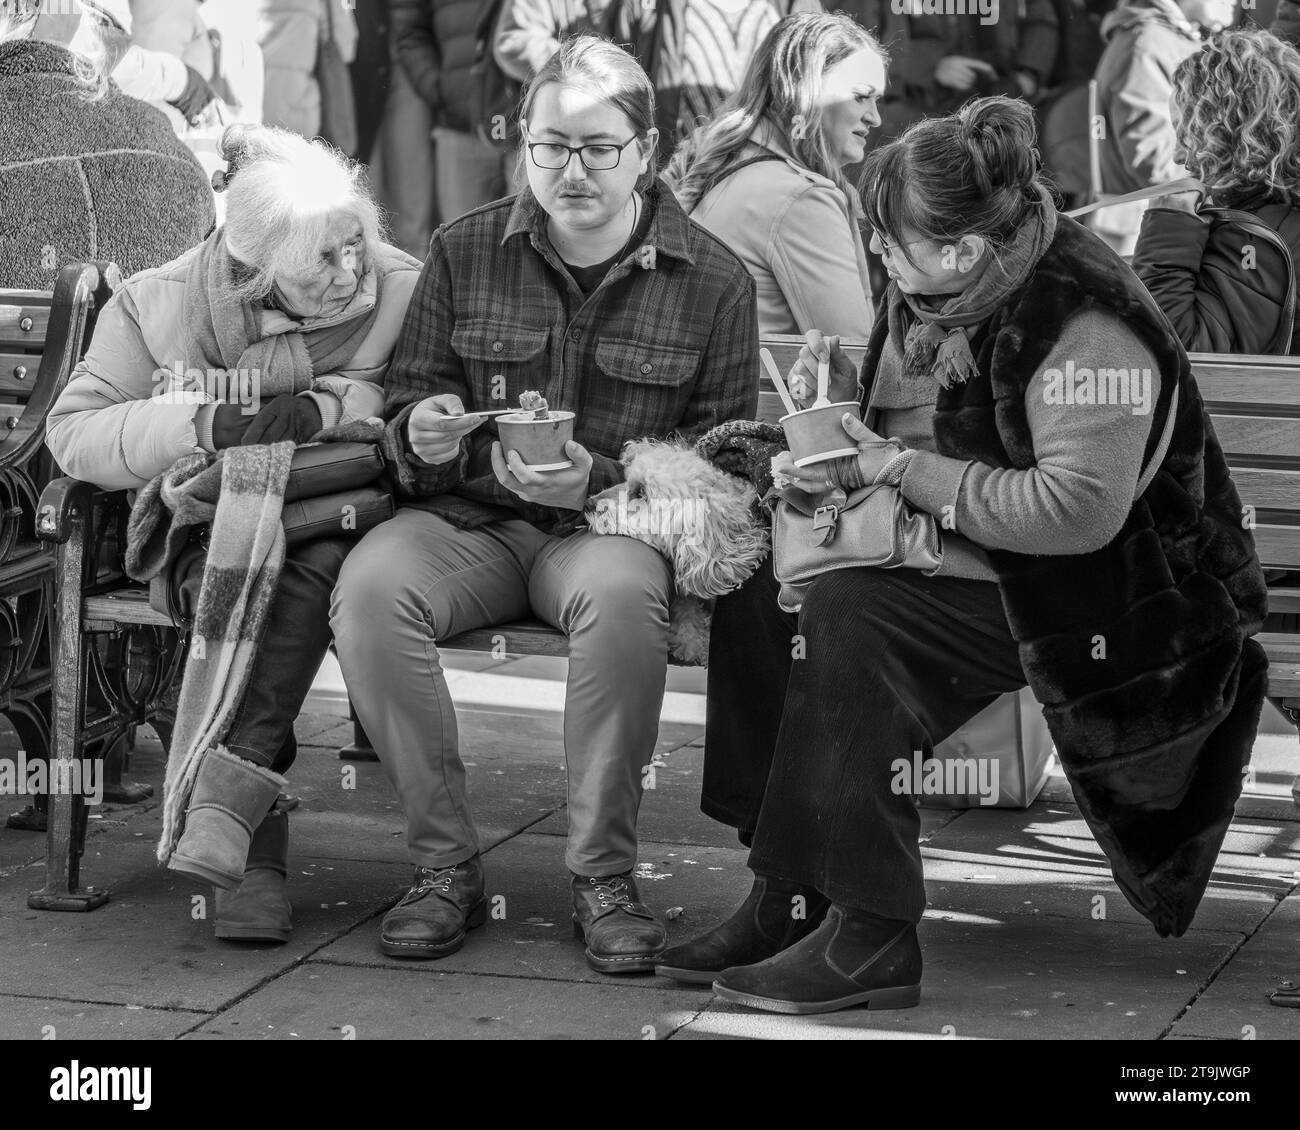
x=613 y=200
x=425 y=93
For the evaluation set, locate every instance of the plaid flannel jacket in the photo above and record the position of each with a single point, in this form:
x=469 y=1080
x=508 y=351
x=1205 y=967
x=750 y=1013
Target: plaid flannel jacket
x=667 y=344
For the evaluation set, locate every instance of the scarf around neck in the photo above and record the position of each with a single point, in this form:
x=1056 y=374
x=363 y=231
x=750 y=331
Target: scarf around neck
x=933 y=335
x=265 y=348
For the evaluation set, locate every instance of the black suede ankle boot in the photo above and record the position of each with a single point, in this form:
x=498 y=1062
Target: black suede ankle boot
x=853 y=958
x=776 y=914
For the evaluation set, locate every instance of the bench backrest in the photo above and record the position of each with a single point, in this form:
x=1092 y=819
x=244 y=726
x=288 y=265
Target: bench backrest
x=1254 y=403
x=31 y=376
x=42 y=337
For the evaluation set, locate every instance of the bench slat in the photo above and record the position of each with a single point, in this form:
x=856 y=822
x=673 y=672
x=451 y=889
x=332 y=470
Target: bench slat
x=1284 y=680
x=1282 y=646
x=522 y=637
x=1272 y=436
x=122 y=606
x=1270 y=382
x=18 y=373
x=1283 y=599
x=1268 y=489
x=12 y=335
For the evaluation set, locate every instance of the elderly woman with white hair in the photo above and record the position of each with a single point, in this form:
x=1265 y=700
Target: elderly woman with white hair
x=296 y=290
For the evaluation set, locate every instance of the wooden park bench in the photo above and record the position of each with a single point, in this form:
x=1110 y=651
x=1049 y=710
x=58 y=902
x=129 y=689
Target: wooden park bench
x=1256 y=402
x=42 y=336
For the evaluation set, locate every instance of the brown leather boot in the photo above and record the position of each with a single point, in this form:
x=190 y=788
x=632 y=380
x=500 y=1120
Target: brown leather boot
x=258 y=909
x=623 y=935
x=776 y=914
x=229 y=799
x=442 y=906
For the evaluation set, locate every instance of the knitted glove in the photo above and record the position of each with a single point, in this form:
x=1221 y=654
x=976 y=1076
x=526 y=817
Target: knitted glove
x=285 y=417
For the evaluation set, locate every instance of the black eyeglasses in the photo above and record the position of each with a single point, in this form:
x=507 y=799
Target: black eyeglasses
x=594 y=158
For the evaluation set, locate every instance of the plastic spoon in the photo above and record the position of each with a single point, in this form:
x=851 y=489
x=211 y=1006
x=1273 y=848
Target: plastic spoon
x=766 y=356
x=823 y=384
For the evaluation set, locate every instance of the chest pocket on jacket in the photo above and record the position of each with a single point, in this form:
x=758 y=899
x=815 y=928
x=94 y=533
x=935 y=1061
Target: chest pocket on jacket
x=641 y=389
x=501 y=361
x=651 y=365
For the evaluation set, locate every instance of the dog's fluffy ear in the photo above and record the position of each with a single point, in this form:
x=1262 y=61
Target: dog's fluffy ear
x=723 y=545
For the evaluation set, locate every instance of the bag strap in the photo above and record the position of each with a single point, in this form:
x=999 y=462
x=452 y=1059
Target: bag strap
x=1158 y=456
x=1184 y=184
x=325 y=30
x=1256 y=227
x=766 y=155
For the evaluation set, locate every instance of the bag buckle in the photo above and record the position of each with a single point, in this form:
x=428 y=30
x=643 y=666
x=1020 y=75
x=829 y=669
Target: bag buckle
x=824 y=522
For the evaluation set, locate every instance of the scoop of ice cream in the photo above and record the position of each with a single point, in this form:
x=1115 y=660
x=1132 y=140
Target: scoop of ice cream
x=534 y=402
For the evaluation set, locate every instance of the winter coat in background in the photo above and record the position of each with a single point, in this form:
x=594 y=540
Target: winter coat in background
x=434 y=41
x=371 y=74
x=1145 y=42
x=695 y=51
x=1219 y=296
x=97 y=180
x=288 y=31
x=529 y=31
x=796 y=233
x=1024 y=37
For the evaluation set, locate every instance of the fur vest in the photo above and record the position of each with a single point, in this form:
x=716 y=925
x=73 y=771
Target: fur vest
x=1139 y=652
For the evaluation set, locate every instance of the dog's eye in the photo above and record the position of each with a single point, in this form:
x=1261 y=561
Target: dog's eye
x=636 y=491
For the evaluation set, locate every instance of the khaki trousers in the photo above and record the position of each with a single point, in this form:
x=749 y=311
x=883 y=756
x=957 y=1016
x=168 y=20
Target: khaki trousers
x=417 y=579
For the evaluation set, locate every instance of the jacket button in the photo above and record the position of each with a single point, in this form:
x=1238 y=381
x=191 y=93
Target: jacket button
x=646 y=369
x=497 y=346
x=575 y=334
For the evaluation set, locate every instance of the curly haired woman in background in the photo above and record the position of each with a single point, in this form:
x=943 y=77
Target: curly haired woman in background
x=1236 y=109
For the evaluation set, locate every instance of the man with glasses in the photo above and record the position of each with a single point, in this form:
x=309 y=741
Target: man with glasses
x=593 y=288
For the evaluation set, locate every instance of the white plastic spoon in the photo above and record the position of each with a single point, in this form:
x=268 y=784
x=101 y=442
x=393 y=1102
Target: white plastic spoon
x=766 y=356
x=823 y=384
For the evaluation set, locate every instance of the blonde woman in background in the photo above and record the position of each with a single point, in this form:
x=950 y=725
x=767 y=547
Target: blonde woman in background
x=766 y=175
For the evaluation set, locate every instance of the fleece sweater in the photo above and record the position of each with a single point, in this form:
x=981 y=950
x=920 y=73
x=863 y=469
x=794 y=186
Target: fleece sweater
x=1076 y=498
x=86 y=180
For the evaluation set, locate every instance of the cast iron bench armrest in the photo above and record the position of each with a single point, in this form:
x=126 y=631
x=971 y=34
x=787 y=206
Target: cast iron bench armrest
x=64 y=502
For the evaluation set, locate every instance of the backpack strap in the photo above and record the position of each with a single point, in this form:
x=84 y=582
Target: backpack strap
x=1256 y=227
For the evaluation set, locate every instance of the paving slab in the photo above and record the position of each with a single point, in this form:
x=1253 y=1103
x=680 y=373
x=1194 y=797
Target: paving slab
x=529 y=933
x=670 y=812
x=144 y=947
x=1014 y=978
x=36 y=1018
x=1043 y=860
x=318 y=1001
x=1234 y=1006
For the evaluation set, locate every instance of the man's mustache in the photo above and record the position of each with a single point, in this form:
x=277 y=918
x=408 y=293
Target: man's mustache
x=574 y=190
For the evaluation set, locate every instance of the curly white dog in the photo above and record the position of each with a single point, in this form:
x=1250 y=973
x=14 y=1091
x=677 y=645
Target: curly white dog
x=700 y=518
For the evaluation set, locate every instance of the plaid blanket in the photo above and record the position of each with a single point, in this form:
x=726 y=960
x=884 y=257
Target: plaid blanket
x=242 y=495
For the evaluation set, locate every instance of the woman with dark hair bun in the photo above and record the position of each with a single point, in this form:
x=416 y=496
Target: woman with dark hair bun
x=1043 y=418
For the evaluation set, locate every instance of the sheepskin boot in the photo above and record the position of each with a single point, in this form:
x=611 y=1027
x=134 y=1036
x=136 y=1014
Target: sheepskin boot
x=230 y=798
x=258 y=909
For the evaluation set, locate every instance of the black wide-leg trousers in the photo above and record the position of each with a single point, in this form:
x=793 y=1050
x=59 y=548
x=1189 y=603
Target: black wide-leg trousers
x=807 y=713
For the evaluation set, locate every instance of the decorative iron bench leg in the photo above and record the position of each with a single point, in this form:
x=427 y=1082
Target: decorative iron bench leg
x=66 y=831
